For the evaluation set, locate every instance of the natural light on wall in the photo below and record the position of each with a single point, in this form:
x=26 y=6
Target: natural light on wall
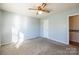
x=14 y=35
x=21 y=39
x=17 y=36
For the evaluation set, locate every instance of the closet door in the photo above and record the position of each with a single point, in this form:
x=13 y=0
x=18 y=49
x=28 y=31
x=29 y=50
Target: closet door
x=74 y=28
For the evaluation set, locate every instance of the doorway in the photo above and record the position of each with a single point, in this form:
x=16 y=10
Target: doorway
x=74 y=30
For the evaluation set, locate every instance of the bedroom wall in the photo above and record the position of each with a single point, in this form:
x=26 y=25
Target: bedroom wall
x=58 y=26
x=28 y=26
x=6 y=27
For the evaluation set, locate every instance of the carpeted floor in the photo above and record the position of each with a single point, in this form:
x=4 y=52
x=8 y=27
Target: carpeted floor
x=39 y=46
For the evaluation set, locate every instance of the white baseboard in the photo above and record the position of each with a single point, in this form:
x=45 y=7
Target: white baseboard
x=12 y=42
x=57 y=40
x=60 y=42
x=32 y=37
x=6 y=43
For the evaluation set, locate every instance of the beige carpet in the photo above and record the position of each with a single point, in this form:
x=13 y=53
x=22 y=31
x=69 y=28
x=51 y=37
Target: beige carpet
x=39 y=46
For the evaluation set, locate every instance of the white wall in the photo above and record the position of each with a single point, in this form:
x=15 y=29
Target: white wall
x=29 y=26
x=6 y=27
x=58 y=26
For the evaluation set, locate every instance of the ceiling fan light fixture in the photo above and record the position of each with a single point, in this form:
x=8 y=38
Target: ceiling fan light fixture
x=40 y=9
x=40 y=12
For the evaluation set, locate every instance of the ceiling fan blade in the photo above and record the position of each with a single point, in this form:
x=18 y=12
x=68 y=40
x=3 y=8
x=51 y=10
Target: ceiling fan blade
x=46 y=11
x=44 y=4
x=32 y=9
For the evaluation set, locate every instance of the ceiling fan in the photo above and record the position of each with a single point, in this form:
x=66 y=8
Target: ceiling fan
x=40 y=9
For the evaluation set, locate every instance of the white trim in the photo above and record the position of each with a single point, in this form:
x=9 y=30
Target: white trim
x=60 y=41
x=68 y=29
x=73 y=14
x=66 y=43
x=6 y=43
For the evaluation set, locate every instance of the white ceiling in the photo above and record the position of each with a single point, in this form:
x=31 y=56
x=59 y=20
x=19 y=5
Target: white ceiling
x=22 y=8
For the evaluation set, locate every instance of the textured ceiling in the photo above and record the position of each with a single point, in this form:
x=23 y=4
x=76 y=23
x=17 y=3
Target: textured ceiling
x=22 y=8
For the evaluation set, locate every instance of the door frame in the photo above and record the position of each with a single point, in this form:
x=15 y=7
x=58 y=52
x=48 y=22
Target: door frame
x=68 y=25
